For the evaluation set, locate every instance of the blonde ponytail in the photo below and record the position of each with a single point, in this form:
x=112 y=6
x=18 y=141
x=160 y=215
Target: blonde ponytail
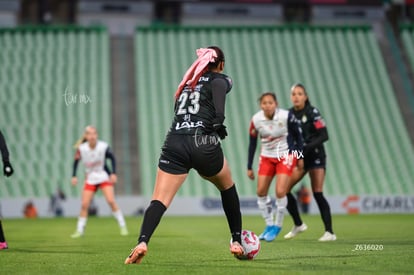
x=81 y=140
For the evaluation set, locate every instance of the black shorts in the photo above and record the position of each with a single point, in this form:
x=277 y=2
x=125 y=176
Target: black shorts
x=315 y=159
x=180 y=153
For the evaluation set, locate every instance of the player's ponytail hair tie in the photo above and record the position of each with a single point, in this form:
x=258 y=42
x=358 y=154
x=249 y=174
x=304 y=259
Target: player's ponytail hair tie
x=193 y=74
x=81 y=140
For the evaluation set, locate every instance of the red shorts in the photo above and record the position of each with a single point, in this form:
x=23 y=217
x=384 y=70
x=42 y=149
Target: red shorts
x=94 y=187
x=274 y=166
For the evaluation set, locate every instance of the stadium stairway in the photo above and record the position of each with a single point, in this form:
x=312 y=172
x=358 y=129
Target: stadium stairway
x=407 y=41
x=399 y=71
x=407 y=37
x=123 y=115
x=369 y=151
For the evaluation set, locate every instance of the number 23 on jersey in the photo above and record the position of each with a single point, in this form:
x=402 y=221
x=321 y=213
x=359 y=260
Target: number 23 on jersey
x=188 y=103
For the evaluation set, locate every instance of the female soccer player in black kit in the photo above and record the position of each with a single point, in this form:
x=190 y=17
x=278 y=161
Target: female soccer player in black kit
x=8 y=171
x=193 y=142
x=314 y=134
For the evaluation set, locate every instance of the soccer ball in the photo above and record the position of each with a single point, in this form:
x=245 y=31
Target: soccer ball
x=251 y=245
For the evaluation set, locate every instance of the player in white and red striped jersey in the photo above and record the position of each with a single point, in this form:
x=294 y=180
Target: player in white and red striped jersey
x=281 y=142
x=93 y=153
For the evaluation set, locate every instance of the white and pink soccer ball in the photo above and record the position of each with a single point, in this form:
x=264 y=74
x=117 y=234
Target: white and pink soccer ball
x=251 y=245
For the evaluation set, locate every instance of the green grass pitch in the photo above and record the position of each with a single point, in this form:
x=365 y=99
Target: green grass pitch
x=199 y=245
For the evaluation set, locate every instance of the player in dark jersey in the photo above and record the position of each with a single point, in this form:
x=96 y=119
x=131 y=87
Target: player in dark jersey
x=8 y=171
x=193 y=141
x=314 y=135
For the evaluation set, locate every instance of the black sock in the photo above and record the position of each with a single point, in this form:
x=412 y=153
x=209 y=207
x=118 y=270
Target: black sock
x=292 y=208
x=2 y=238
x=231 y=206
x=151 y=220
x=325 y=210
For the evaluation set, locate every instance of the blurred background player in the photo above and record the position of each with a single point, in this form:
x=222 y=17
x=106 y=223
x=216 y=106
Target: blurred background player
x=314 y=135
x=281 y=142
x=8 y=171
x=93 y=154
x=193 y=142
x=56 y=201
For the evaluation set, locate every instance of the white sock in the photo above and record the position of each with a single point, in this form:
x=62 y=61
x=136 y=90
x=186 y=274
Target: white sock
x=120 y=218
x=265 y=206
x=81 y=224
x=281 y=204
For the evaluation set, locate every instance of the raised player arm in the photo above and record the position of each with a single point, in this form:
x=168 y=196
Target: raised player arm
x=110 y=155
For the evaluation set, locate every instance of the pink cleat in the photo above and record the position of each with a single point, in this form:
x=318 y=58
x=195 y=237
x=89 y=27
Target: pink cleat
x=3 y=245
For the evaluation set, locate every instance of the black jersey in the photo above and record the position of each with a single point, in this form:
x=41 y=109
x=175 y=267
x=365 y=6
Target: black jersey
x=194 y=108
x=313 y=129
